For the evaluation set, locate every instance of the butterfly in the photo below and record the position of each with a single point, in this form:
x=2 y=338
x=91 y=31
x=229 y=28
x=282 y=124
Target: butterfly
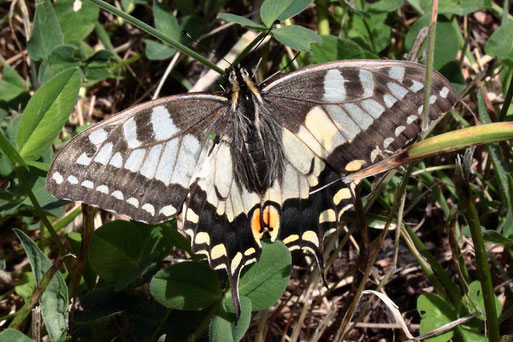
x=255 y=161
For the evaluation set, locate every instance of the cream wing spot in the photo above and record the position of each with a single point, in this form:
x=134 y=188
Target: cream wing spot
x=411 y=119
x=116 y=160
x=98 y=137
x=88 y=184
x=202 y=238
x=397 y=73
x=397 y=90
x=134 y=161
x=218 y=251
x=432 y=99
x=72 y=180
x=389 y=100
x=236 y=262
x=310 y=236
x=444 y=92
x=345 y=123
x=399 y=130
x=104 y=189
x=387 y=142
x=421 y=109
x=130 y=131
x=323 y=129
x=367 y=82
x=167 y=162
x=342 y=194
x=84 y=159
x=168 y=210
x=290 y=238
x=57 y=177
x=163 y=126
x=185 y=165
x=249 y=251
x=151 y=162
x=373 y=107
x=104 y=154
x=334 y=86
x=118 y=194
x=133 y=201
x=416 y=86
x=355 y=165
x=149 y=208
x=191 y=216
x=327 y=215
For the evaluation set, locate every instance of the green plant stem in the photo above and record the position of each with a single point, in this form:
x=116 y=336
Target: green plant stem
x=156 y=33
x=482 y=263
x=67 y=219
x=40 y=288
x=429 y=64
x=323 y=23
x=507 y=100
x=53 y=234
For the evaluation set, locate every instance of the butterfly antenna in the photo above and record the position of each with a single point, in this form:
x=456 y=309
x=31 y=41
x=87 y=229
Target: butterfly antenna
x=284 y=68
x=205 y=48
x=254 y=45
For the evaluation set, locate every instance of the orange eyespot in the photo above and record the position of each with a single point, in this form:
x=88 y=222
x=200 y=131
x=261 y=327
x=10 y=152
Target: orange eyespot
x=271 y=218
x=256 y=225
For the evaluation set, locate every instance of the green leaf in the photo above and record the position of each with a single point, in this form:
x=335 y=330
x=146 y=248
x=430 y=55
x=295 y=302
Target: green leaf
x=446 y=39
x=156 y=51
x=13 y=335
x=11 y=84
x=226 y=327
x=464 y=7
x=281 y=10
x=434 y=312
x=265 y=281
x=496 y=237
x=500 y=44
x=165 y=21
x=336 y=49
x=26 y=285
x=371 y=33
x=46 y=113
x=297 y=37
x=77 y=18
x=243 y=21
x=384 y=6
x=62 y=57
x=120 y=251
x=186 y=286
x=46 y=32
x=9 y=151
x=97 y=66
x=54 y=301
x=475 y=294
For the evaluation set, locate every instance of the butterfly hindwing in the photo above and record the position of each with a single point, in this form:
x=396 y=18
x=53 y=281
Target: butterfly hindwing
x=140 y=162
x=349 y=113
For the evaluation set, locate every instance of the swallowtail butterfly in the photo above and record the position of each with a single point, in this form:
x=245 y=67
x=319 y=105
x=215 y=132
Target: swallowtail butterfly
x=273 y=167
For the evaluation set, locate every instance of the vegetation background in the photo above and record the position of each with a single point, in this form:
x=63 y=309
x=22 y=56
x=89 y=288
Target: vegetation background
x=67 y=64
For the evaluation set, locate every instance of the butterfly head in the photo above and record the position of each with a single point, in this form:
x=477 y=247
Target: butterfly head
x=241 y=85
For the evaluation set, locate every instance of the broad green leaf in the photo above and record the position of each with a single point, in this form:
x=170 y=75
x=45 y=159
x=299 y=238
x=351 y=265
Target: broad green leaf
x=9 y=151
x=500 y=44
x=265 y=281
x=46 y=32
x=243 y=21
x=336 y=49
x=120 y=251
x=156 y=51
x=26 y=285
x=97 y=65
x=297 y=37
x=371 y=33
x=13 y=335
x=446 y=39
x=384 y=6
x=496 y=237
x=281 y=10
x=475 y=294
x=464 y=7
x=54 y=301
x=226 y=328
x=128 y=5
x=46 y=113
x=11 y=84
x=77 y=18
x=165 y=21
x=186 y=286
x=63 y=57
x=434 y=312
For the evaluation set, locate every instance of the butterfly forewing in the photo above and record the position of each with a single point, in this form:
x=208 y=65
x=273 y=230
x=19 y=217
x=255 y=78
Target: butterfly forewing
x=140 y=162
x=349 y=113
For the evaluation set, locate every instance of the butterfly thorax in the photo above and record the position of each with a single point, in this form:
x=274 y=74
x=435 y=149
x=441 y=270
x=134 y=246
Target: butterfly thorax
x=256 y=149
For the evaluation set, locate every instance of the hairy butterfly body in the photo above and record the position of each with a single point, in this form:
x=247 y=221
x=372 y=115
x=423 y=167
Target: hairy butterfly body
x=259 y=160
